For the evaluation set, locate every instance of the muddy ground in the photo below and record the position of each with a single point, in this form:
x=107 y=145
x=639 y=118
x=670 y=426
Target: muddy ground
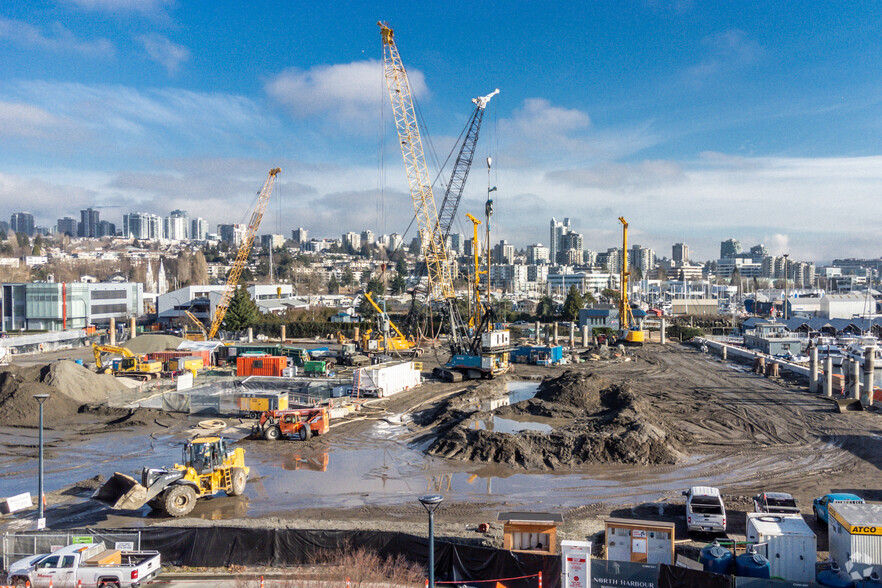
x=720 y=425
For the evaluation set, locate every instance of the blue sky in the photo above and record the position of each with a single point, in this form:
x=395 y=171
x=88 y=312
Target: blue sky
x=698 y=121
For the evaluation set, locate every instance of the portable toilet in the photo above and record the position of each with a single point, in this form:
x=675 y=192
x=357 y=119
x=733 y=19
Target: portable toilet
x=787 y=542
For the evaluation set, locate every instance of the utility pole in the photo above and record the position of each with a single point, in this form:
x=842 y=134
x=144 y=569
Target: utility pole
x=488 y=211
x=786 y=255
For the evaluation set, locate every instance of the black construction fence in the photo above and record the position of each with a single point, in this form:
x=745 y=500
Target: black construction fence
x=456 y=564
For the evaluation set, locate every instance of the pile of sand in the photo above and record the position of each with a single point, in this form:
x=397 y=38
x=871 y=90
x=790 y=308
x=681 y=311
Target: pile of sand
x=79 y=383
x=607 y=423
x=151 y=343
x=68 y=383
x=18 y=406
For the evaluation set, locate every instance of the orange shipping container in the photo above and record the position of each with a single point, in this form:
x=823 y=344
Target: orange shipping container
x=261 y=366
x=164 y=356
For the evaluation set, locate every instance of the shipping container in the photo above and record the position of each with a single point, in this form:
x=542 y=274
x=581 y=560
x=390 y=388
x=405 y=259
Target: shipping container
x=790 y=545
x=266 y=365
x=855 y=535
x=386 y=379
x=253 y=403
x=189 y=363
x=166 y=356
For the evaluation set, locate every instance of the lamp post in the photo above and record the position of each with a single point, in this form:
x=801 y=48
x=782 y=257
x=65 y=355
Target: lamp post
x=40 y=398
x=786 y=255
x=431 y=502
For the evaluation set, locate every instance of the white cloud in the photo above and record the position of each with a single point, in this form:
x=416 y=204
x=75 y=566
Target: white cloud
x=726 y=51
x=619 y=177
x=348 y=92
x=57 y=40
x=164 y=52
x=25 y=120
x=148 y=7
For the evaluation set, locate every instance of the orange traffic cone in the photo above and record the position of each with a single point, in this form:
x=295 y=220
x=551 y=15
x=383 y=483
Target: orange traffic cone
x=50 y=582
x=261 y=582
x=540 y=579
x=79 y=584
x=347 y=582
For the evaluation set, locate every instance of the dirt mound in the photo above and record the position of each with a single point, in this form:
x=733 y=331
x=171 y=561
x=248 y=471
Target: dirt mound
x=80 y=383
x=608 y=423
x=121 y=418
x=17 y=404
x=153 y=342
x=575 y=389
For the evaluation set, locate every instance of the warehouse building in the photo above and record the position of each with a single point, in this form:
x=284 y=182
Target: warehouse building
x=56 y=306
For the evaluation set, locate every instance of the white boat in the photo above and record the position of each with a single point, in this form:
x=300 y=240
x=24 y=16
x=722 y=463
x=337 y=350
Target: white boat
x=858 y=349
x=827 y=347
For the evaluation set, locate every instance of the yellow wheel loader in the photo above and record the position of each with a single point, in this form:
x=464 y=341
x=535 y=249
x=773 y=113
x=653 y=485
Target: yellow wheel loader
x=210 y=465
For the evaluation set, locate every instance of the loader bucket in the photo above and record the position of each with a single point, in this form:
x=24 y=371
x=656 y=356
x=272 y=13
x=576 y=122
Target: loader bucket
x=848 y=405
x=121 y=492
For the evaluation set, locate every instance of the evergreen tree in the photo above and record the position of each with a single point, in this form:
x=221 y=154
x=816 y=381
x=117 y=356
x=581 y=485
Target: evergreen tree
x=23 y=240
x=348 y=278
x=401 y=266
x=333 y=285
x=572 y=304
x=545 y=308
x=242 y=313
x=38 y=245
x=398 y=285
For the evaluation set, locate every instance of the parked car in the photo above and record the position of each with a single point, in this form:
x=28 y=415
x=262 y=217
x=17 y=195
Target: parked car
x=92 y=565
x=819 y=505
x=705 y=510
x=775 y=503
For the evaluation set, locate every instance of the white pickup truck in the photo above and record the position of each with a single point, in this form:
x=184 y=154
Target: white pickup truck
x=92 y=564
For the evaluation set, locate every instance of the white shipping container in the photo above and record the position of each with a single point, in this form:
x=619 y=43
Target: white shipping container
x=855 y=535
x=495 y=339
x=790 y=545
x=386 y=379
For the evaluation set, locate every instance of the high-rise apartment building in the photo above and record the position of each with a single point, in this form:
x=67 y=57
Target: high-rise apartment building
x=558 y=229
x=22 y=222
x=367 y=237
x=176 y=225
x=88 y=226
x=300 y=235
x=730 y=248
x=680 y=253
x=199 y=229
x=233 y=234
x=503 y=252
x=67 y=226
x=142 y=225
x=353 y=240
x=537 y=254
x=105 y=229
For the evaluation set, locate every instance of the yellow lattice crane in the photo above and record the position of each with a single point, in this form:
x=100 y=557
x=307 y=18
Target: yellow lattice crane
x=478 y=310
x=434 y=249
x=198 y=324
x=480 y=352
x=631 y=333
x=244 y=251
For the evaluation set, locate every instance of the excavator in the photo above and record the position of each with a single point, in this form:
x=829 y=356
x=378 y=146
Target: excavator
x=131 y=365
x=382 y=341
x=208 y=466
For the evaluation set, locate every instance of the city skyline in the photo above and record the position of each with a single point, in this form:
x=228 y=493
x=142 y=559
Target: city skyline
x=695 y=121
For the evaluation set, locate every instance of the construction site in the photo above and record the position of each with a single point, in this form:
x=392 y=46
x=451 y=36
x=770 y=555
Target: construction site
x=221 y=430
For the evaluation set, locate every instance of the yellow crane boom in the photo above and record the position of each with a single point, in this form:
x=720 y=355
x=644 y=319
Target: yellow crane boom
x=197 y=323
x=431 y=235
x=244 y=251
x=631 y=332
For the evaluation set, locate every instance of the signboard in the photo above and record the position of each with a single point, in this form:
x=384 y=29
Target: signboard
x=81 y=539
x=17 y=503
x=184 y=381
x=575 y=564
x=619 y=574
x=124 y=545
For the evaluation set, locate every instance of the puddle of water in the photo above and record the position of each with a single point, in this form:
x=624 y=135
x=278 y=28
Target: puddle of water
x=519 y=391
x=513 y=425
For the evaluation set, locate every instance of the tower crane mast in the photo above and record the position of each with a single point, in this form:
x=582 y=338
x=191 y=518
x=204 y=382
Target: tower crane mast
x=242 y=256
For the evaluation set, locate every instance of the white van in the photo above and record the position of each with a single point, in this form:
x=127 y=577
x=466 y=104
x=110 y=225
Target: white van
x=705 y=510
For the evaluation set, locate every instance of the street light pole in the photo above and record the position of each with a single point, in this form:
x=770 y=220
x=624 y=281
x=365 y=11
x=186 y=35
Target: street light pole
x=40 y=398
x=786 y=255
x=431 y=502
